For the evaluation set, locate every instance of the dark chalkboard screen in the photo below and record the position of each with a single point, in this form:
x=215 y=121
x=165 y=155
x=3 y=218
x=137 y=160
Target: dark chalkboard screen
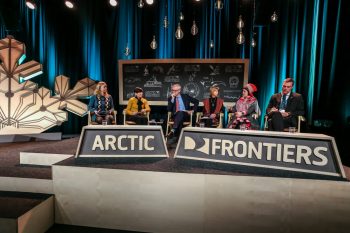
x=155 y=77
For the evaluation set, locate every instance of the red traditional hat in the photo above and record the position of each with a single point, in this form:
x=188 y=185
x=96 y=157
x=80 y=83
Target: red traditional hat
x=251 y=88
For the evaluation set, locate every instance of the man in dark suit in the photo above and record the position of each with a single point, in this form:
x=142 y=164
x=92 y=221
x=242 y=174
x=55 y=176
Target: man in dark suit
x=179 y=105
x=285 y=107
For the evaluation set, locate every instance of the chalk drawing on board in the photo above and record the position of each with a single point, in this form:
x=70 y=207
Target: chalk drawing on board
x=192 y=89
x=153 y=82
x=233 y=81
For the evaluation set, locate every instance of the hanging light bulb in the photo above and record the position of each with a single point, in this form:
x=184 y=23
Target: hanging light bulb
x=69 y=4
x=127 y=50
x=240 y=38
x=149 y=2
x=194 y=28
x=253 y=43
x=140 y=4
x=154 y=43
x=274 y=17
x=211 y=44
x=240 y=23
x=31 y=4
x=181 y=16
x=219 y=4
x=113 y=3
x=165 y=22
x=179 y=34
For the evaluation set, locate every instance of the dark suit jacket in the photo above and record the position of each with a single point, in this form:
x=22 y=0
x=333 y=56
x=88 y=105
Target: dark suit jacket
x=187 y=100
x=295 y=104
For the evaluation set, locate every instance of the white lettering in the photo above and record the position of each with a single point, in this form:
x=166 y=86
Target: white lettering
x=286 y=152
x=110 y=142
x=252 y=148
x=147 y=138
x=303 y=152
x=120 y=147
x=132 y=141
x=323 y=158
x=98 y=143
x=269 y=149
x=215 y=145
x=244 y=149
x=279 y=152
x=227 y=146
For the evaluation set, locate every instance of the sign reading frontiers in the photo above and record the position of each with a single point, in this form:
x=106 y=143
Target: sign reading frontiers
x=114 y=141
x=306 y=153
x=196 y=76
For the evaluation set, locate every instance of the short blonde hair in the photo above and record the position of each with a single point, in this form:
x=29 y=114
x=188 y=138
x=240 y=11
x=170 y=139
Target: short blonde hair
x=98 y=88
x=212 y=88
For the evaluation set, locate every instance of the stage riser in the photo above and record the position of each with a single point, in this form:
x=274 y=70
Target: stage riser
x=30 y=185
x=30 y=137
x=180 y=202
x=43 y=159
x=37 y=220
x=8 y=225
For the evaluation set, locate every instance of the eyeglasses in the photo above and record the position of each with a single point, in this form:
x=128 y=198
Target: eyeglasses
x=175 y=90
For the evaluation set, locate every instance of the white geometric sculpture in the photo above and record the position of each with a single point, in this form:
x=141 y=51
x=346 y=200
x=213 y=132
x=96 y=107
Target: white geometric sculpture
x=27 y=109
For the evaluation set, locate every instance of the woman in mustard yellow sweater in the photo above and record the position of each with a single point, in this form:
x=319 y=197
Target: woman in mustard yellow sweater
x=137 y=108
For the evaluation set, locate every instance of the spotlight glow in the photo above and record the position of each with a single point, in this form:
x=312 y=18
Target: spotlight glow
x=113 y=3
x=149 y=2
x=69 y=4
x=30 y=4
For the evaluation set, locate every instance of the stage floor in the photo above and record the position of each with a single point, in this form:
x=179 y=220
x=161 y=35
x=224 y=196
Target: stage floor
x=10 y=161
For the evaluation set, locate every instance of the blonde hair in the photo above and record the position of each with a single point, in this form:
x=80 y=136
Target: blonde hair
x=211 y=89
x=98 y=88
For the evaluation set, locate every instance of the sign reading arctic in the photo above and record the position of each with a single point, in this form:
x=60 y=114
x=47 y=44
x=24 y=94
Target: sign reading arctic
x=316 y=154
x=121 y=141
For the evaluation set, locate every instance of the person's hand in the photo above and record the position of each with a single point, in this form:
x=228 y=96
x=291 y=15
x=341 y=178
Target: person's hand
x=238 y=114
x=189 y=111
x=143 y=110
x=285 y=114
x=273 y=109
x=213 y=116
x=96 y=113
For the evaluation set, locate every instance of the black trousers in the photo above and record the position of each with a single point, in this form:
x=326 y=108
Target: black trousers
x=139 y=120
x=278 y=123
x=179 y=118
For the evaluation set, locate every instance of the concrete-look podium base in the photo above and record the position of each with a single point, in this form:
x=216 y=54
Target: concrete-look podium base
x=41 y=159
x=29 y=218
x=30 y=137
x=181 y=202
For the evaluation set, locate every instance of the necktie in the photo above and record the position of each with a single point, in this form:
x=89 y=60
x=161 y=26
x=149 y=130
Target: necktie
x=177 y=104
x=284 y=102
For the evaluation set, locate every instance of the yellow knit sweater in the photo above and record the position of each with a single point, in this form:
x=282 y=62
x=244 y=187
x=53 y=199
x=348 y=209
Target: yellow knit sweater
x=132 y=106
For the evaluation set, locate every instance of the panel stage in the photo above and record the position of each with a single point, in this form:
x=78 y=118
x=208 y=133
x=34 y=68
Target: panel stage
x=170 y=196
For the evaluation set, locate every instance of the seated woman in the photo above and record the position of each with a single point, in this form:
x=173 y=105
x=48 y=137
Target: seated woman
x=213 y=106
x=246 y=111
x=137 y=108
x=101 y=105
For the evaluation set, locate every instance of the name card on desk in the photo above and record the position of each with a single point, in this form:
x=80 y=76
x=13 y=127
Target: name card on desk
x=115 y=141
x=263 y=151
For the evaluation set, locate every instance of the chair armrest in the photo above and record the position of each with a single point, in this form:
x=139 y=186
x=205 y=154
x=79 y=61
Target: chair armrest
x=198 y=116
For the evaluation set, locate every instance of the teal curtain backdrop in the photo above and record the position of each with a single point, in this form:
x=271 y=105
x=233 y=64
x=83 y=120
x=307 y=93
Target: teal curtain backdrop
x=309 y=42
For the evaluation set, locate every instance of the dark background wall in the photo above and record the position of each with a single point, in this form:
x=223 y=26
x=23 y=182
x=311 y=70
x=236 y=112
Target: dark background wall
x=309 y=42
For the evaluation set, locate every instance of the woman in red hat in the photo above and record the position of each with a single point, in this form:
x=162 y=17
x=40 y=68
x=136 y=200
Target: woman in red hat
x=246 y=111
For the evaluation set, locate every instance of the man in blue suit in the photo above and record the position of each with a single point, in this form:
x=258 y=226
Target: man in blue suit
x=179 y=105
